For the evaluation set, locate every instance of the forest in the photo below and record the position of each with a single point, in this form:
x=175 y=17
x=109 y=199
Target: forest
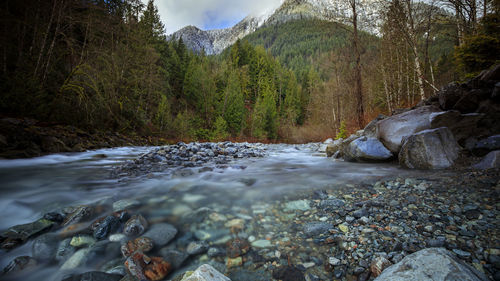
x=107 y=66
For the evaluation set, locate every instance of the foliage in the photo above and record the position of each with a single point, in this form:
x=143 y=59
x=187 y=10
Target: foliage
x=342 y=133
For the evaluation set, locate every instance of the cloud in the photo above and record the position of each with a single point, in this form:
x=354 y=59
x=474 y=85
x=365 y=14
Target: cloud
x=209 y=14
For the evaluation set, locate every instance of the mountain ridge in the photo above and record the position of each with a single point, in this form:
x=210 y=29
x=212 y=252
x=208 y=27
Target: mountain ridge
x=215 y=41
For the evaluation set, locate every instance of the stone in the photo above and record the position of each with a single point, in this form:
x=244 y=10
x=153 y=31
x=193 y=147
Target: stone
x=288 y=273
x=65 y=250
x=429 y=149
x=436 y=264
x=20 y=264
x=331 y=204
x=463 y=126
x=370 y=130
x=44 y=247
x=490 y=161
x=109 y=225
x=237 y=247
x=82 y=240
x=147 y=268
x=392 y=130
x=161 y=233
x=333 y=147
x=174 y=257
x=450 y=95
x=157 y=269
x=125 y=204
x=94 y=276
x=378 y=265
x=143 y=244
x=298 y=205
x=18 y=234
x=484 y=146
x=205 y=273
x=261 y=243
x=366 y=149
x=135 y=226
x=316 y=228
x=333 y=261
x=77 y=214
x=79 y=258
x=234 y=262
x=344 y=228
x=197 y=247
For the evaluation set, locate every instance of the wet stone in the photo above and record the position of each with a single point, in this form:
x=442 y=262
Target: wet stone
x=135 y=226
x=82 y=240
x=125 y=204
x=44 y=247
x=316 y=228
x=94 y=276
x=378 y=265
x=461 y=254
x=197 y=247
x=288 y=273
x=174 y=257
x=65 y=250
x=18 y=234
x=237 y=247
x=109 y=225
x=20 y=264
x=331 y=204
x=298 y=205
x=161 y=233
x=143 y=244
x=77 y=214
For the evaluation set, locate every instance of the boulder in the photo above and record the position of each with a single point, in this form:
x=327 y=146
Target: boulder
x=450 y=95
x=437 y=264
x=205 y=273
x=392 y=130
x=484 y=146
x=429 y=149
x=463 y=126
x=493 y=74
x=367 y=150
x=345 y=145
x=333 y=147
x=371 y=129
x=490 y=161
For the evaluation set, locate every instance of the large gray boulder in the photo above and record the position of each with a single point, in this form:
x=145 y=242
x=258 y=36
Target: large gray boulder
x=366 y=150
x=392 y=130
x=429 y=149
x=431 y=264
x=490 y=161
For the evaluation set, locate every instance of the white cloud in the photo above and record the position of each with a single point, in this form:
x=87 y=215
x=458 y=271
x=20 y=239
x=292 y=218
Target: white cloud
x=177 y=14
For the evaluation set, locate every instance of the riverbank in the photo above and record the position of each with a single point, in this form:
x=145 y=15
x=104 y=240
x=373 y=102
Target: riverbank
x=25 y=138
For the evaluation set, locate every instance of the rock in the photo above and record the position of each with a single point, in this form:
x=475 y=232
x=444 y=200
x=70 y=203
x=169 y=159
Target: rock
x=392 y=130
x=44 y=247
x=490 y=161
x=135 y=226
x=333 y=147
x=237 y=247
x=205 y=273
x=94 y=276
x=463 y=126
x=370 y=130
x=109 y=225
x=65 y=250
x=125 y=204
x=492 y=74
x=150 y=268
x=429 y=149
x=161 y=233
x=288 y=273
x=174 y=257
x=316 y=228
x=143 y=244
x=79 y=258
x=77 y=214
x=18 y=234
x=331 y=204
x=333 y=261
x=344 y=228
x=450 y=95
x=20 y=264
x=461 y=254
x=82 y=240
x=378 y=265
x=301 y=205
x=366 y=149
x=436 y=264
x=486 y=145
x=261 y=244
x=197 y=247
x=234 y=262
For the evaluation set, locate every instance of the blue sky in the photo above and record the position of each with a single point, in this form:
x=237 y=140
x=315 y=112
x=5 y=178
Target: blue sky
x=209 y=14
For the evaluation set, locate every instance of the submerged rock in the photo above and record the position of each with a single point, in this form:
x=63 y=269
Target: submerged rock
x=289 y=273
x=18 y=234
x=436 y=264
x=108 y=226
x=20 y=264
x=44 y=247
x=205 y=273
x=429 y=149
x=161 y=233
x=94 y=276
x=147 y=268
x=77 y=214
x=135 y=226
x=143 y=244
x=490 y=161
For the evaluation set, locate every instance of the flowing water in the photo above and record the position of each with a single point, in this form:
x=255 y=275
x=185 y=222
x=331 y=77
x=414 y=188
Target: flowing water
x=30 y=188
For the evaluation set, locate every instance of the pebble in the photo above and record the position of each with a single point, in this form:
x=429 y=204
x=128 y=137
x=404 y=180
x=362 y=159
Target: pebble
x=82 y=240
x=261 y=244
x=197 y=247
x=298 y=205
x=135 y=226
x=161 y=233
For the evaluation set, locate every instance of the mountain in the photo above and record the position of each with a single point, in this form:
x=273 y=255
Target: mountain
x=215 y=41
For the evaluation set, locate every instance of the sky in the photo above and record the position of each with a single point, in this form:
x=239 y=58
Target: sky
x=209 y=14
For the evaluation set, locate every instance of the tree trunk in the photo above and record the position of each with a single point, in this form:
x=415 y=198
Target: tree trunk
x=358 y=87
